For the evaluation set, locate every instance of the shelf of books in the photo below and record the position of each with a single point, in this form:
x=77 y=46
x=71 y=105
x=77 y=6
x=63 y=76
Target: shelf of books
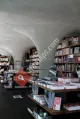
x=31 y=62
x=57 y=87
x=49 y=110
x=38 y=113
x=50 y=101
x=4 y=64
x=68 y=55
x=31 y=113
x=67 y=108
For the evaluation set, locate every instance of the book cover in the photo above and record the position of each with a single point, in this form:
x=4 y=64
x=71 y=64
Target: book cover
x=49 y=97
x=57 y=103
x=71 y=107
x=77 y=59
x=70 y=86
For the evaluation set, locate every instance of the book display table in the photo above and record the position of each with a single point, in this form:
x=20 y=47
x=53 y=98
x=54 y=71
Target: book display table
x=49 y=97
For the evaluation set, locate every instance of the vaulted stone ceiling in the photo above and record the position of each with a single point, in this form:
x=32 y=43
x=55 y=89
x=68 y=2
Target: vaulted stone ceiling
x=25 y=23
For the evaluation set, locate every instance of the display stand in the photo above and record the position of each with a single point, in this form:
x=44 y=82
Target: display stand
x=52 y=93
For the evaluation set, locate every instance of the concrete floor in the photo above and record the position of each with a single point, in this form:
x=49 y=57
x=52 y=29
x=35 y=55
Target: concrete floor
x=13 y=108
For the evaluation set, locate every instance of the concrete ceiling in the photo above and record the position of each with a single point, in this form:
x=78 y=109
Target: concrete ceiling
x=24 y=23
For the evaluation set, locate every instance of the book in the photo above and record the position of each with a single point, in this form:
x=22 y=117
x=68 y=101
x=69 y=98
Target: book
x=64 y=43
x=57 y=86
x=76 y=49
x=57 y=103
x=70 y=58
x=76 y=40
x=77 y=84
x=65 y=51
x=71 y=107
x=70 y=86
x=40 y=99
x=49 y=97
x=77 y=59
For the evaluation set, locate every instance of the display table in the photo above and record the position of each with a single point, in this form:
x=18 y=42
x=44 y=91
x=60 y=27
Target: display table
x=46 y=85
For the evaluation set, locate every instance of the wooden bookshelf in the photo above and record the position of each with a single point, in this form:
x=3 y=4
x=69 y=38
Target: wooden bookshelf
x=31 y=114
x=62 y=111
x=49 y=110
x=4 y=64
x=67 y=47
x=31 y=60
x=67 y=63
x=76 y=45
x=62 y=55
x=76 y=54
x=62 y=48
x=30 y=111
x=67 y=71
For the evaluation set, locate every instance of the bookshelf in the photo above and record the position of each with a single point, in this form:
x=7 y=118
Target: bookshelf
x=49 y=110
x=67 y=55
x=31 y=113
x=31 y=62
x=45 y=107
x=4 y=64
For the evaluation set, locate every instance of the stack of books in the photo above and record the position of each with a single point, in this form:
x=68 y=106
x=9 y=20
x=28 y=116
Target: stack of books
x=40 y=99
x=76 y=84
x=70 y=86
x=71 y=107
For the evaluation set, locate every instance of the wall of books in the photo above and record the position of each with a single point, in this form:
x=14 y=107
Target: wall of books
x=67 y=56
x=31 y=62
x=6 y=63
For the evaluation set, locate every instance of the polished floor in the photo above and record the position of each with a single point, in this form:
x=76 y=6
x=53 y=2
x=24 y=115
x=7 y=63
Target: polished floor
x=13 y=108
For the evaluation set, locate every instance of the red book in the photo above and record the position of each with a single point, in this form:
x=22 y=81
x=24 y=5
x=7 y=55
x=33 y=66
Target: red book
x=77 y=59
x=57 y=103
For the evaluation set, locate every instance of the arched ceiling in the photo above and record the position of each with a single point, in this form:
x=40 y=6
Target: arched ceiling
x=4 y=52
x=24 y=23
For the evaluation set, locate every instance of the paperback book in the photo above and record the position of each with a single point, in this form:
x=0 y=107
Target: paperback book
x=57 y=103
